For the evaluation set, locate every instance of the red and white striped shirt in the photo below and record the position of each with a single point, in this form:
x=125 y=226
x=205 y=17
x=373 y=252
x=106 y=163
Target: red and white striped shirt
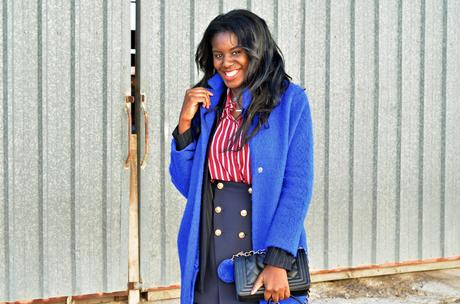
x=225 y=164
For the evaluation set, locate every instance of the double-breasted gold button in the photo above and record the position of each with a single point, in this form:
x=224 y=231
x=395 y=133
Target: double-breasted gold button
x=250 y=190
x=218 y=232
x=218 y=209
x=220 y=186
x=241 y=235
x=243 y=212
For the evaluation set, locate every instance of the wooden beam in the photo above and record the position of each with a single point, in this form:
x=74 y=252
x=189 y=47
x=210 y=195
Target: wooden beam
x=385 y=269
x=133 y=230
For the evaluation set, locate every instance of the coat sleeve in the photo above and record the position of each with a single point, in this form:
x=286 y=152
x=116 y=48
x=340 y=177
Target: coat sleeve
x=180 y=166
x=297 y=183
x=182 y=153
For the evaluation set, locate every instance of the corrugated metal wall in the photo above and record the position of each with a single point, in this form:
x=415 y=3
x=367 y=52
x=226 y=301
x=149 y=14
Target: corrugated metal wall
x=63 y=189
x=382 y=78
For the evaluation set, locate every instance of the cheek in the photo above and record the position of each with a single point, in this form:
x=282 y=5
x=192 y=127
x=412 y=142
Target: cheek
x=216 y=63
x=245 y=63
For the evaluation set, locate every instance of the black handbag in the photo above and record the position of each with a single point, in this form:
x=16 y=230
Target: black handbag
x=248 y=266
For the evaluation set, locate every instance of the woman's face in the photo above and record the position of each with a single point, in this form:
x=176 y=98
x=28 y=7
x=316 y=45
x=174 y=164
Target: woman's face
x=230 y=61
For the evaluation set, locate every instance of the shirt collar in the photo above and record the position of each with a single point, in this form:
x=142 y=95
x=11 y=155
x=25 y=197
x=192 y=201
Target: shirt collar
x=229 y=106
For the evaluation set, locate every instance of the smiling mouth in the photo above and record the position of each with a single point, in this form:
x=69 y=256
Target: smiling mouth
x=231 y=73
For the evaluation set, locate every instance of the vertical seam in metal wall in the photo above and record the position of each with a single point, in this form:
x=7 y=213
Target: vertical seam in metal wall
x=275 y=19
x=421 y=129
x=72 y=150
x=302 y=45
x=398 y=138
x=351 y=134
x=104 y=145
x=162 y=142
x=12 y=173
x=192 y=42
x=5 y=151
x=375 y=133
x=326 y=135
x=221 y=6
x=249 y=4
x=139 y=85
x=11 y=179
x=443 y=130
x=41 y=201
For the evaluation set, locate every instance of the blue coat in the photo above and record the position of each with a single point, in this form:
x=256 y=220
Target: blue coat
x=282 y=179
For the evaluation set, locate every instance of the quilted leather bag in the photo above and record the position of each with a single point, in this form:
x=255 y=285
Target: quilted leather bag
x=248 y=266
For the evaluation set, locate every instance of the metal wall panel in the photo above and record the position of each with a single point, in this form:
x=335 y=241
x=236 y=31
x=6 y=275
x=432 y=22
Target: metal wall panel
x=450 y=159
x=409 y=171
x=381 y=78
x=64 y=192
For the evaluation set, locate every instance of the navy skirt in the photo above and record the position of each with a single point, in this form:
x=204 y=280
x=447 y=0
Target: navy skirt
x=231 y=233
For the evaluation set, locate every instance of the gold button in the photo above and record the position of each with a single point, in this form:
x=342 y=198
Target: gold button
x=250 y=190
x=218 y=232
x=220 y=186
x=218 y=209
x=241 y=235
x=243 y=212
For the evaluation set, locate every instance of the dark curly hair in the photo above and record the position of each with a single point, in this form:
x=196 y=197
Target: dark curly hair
x=266 y=78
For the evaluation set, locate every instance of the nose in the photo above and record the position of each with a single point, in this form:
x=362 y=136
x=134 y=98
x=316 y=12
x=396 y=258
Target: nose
x=228 y=61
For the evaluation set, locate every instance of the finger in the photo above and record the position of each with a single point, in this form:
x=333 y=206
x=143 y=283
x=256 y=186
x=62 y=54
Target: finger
x=202 y=90
x=282 y=294
x=275 y=297
x=200 y=98
x=207 y=102
x=207 y=94
x=207 y=97
x=198 y=94
x=287 y=293
x=258 y=283
x=267 y=295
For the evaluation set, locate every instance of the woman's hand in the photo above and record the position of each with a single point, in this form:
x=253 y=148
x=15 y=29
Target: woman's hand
x=192 y=99
x=276 y=283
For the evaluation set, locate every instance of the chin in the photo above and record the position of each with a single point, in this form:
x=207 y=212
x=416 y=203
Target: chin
x=233 y=84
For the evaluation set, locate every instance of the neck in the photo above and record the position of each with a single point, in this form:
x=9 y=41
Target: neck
x=235 y=94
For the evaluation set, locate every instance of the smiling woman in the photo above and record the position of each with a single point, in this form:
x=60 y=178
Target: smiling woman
x=242 y=155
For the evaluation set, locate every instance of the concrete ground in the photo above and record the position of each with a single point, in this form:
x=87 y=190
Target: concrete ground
x=434 y=287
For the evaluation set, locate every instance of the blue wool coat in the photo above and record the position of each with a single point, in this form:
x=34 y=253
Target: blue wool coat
x=281 y=158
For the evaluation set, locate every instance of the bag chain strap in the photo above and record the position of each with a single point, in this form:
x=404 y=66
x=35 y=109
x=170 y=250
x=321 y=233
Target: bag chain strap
x=250 y=253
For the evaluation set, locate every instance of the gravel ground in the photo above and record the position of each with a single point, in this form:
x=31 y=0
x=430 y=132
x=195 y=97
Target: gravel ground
x=434 y=287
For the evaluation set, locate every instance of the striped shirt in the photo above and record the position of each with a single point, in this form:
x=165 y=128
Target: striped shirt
x=225 y=164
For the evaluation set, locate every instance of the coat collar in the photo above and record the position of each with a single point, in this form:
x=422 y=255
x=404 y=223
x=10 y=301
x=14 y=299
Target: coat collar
x=217 y=86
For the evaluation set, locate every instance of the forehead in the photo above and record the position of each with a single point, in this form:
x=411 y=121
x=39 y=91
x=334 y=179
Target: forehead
x=224 y=40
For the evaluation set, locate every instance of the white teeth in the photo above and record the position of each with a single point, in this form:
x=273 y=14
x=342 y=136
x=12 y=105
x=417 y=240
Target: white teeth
x=232 y=73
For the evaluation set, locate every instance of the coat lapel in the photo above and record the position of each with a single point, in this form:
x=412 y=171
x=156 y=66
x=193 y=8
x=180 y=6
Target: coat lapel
x=208 y=115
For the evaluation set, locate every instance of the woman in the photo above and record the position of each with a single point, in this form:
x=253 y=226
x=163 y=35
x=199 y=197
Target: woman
x=242 y=155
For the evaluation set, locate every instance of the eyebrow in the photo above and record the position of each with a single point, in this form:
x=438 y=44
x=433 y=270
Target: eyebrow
x=235 y=47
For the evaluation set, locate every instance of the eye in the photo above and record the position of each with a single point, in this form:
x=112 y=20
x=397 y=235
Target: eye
x=217 y=55
x=236 y=52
